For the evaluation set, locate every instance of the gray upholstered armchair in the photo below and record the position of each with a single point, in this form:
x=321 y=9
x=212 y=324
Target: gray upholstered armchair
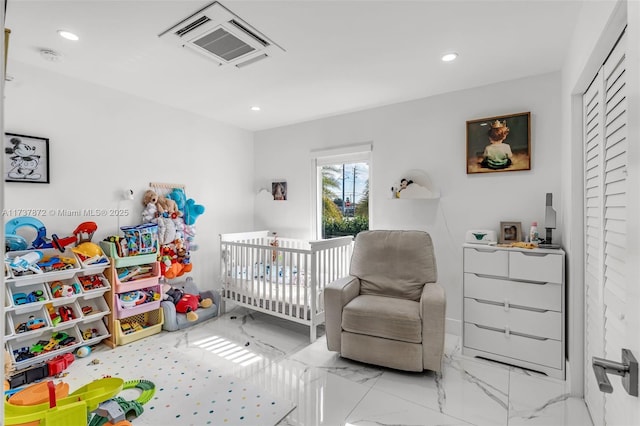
x=390 y=310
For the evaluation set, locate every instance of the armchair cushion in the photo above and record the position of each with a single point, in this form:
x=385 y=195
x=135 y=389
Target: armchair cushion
x=386 y=317
x=393 y=263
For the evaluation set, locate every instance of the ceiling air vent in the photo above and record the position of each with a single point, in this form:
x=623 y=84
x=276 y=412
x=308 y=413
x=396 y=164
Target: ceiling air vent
x=219 y=34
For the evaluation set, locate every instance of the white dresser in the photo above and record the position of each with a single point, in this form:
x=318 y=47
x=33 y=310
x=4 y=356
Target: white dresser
x=513 y=307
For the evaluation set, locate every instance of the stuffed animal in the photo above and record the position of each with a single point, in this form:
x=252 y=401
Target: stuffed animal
x=163 y=204
x=179 y=197
x=185 y=303
x=192 y=211
x=149 y=213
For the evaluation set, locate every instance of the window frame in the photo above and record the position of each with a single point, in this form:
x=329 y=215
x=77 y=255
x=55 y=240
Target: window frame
x=360 y=153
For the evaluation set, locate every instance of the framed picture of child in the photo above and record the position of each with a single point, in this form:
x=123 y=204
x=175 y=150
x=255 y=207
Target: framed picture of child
x=279 y=191
x=499 y=144
x=510 y=232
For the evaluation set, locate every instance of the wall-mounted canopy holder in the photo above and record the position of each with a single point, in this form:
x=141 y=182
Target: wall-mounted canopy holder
x=627 y=369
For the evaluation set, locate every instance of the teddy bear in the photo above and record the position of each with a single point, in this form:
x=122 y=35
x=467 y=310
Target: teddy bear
x=163 y=204
x=185 y=303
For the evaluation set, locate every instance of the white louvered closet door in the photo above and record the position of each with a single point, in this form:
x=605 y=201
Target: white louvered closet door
x=593 y=208
x=606 y=200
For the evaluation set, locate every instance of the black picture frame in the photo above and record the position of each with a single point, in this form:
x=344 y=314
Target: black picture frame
x=279 y=190
x=517 y=144
x=26 y=158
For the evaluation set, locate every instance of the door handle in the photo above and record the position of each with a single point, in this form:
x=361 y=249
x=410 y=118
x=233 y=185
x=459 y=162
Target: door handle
x=627 y=369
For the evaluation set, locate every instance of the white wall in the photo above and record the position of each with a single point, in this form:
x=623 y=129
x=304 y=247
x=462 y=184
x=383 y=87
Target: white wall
x=427 y=134
x=102 y=141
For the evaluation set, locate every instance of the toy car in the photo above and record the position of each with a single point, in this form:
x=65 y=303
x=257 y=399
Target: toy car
x=36 y=296
x=22 y=354
x=87 y=310
x=19 y=299
x=90 y=333
x=38 y=346
x=66 y=313
x=35 y=323
x=67 y=341
x=59 y=336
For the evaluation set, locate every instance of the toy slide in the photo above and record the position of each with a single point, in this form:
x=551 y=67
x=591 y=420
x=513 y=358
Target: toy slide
x=50 y=409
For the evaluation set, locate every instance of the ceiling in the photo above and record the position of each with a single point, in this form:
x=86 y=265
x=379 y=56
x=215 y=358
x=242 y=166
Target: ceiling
x=341 y=56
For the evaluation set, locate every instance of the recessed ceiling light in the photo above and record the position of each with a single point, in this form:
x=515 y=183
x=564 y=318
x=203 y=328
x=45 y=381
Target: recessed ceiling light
x=68 y=35
x=449 y=57
x=255 y=108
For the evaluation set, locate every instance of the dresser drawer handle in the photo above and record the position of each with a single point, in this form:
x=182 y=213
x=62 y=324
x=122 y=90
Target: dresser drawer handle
x=534 y=254
x=484 y=250
x=508 y=331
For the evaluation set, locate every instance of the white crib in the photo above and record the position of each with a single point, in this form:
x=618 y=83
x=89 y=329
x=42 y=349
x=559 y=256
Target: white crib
x=286 y=280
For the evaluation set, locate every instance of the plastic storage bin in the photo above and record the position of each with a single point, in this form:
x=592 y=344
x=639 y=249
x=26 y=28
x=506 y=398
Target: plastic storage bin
x=27 y=297
x=93 y=332
x=95 y=307
x=68 y=311
x=152 y=319
x=109 y=249
x=137 y=284
x=68 y=288
x=67 y=258
x=29 y=323
x=93 y=284
x=19 y=347
x=151 y=303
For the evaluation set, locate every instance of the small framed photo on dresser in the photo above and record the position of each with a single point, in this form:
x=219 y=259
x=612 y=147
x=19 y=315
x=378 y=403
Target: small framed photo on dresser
x=510 y=232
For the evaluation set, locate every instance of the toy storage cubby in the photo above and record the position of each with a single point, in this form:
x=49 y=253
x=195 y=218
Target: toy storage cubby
x=130 y=323
x=41 y=321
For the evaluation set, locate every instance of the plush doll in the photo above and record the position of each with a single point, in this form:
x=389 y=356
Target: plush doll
x=149 y=213
x=163 y=204
x=192 y=211
x=185 y=303
x=179 y=197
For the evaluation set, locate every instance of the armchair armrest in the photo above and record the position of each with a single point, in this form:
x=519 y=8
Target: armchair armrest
x=336 y=295
x=433 y=306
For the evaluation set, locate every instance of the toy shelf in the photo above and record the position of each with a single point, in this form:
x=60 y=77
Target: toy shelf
x=125 y=315
x=122 y=262
x=35 y=298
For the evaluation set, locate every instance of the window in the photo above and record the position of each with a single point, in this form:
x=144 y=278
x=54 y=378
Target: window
x=342 y=194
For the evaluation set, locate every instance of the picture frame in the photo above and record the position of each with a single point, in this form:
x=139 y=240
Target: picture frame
x=510 y=232
x=279 y=190
x=26 y=158
x=491 y=148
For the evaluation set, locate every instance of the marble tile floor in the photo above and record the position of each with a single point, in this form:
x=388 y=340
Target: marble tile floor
x=276 y=356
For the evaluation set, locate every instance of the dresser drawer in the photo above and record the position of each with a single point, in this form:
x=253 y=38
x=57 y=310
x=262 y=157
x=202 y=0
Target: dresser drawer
x=535 y=323
x=533 y=295
x=486 y=261
x=546 y=352
x=534 y=266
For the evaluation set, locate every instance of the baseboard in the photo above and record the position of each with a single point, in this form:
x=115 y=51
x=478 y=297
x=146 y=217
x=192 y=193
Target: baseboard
x=453 y=326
